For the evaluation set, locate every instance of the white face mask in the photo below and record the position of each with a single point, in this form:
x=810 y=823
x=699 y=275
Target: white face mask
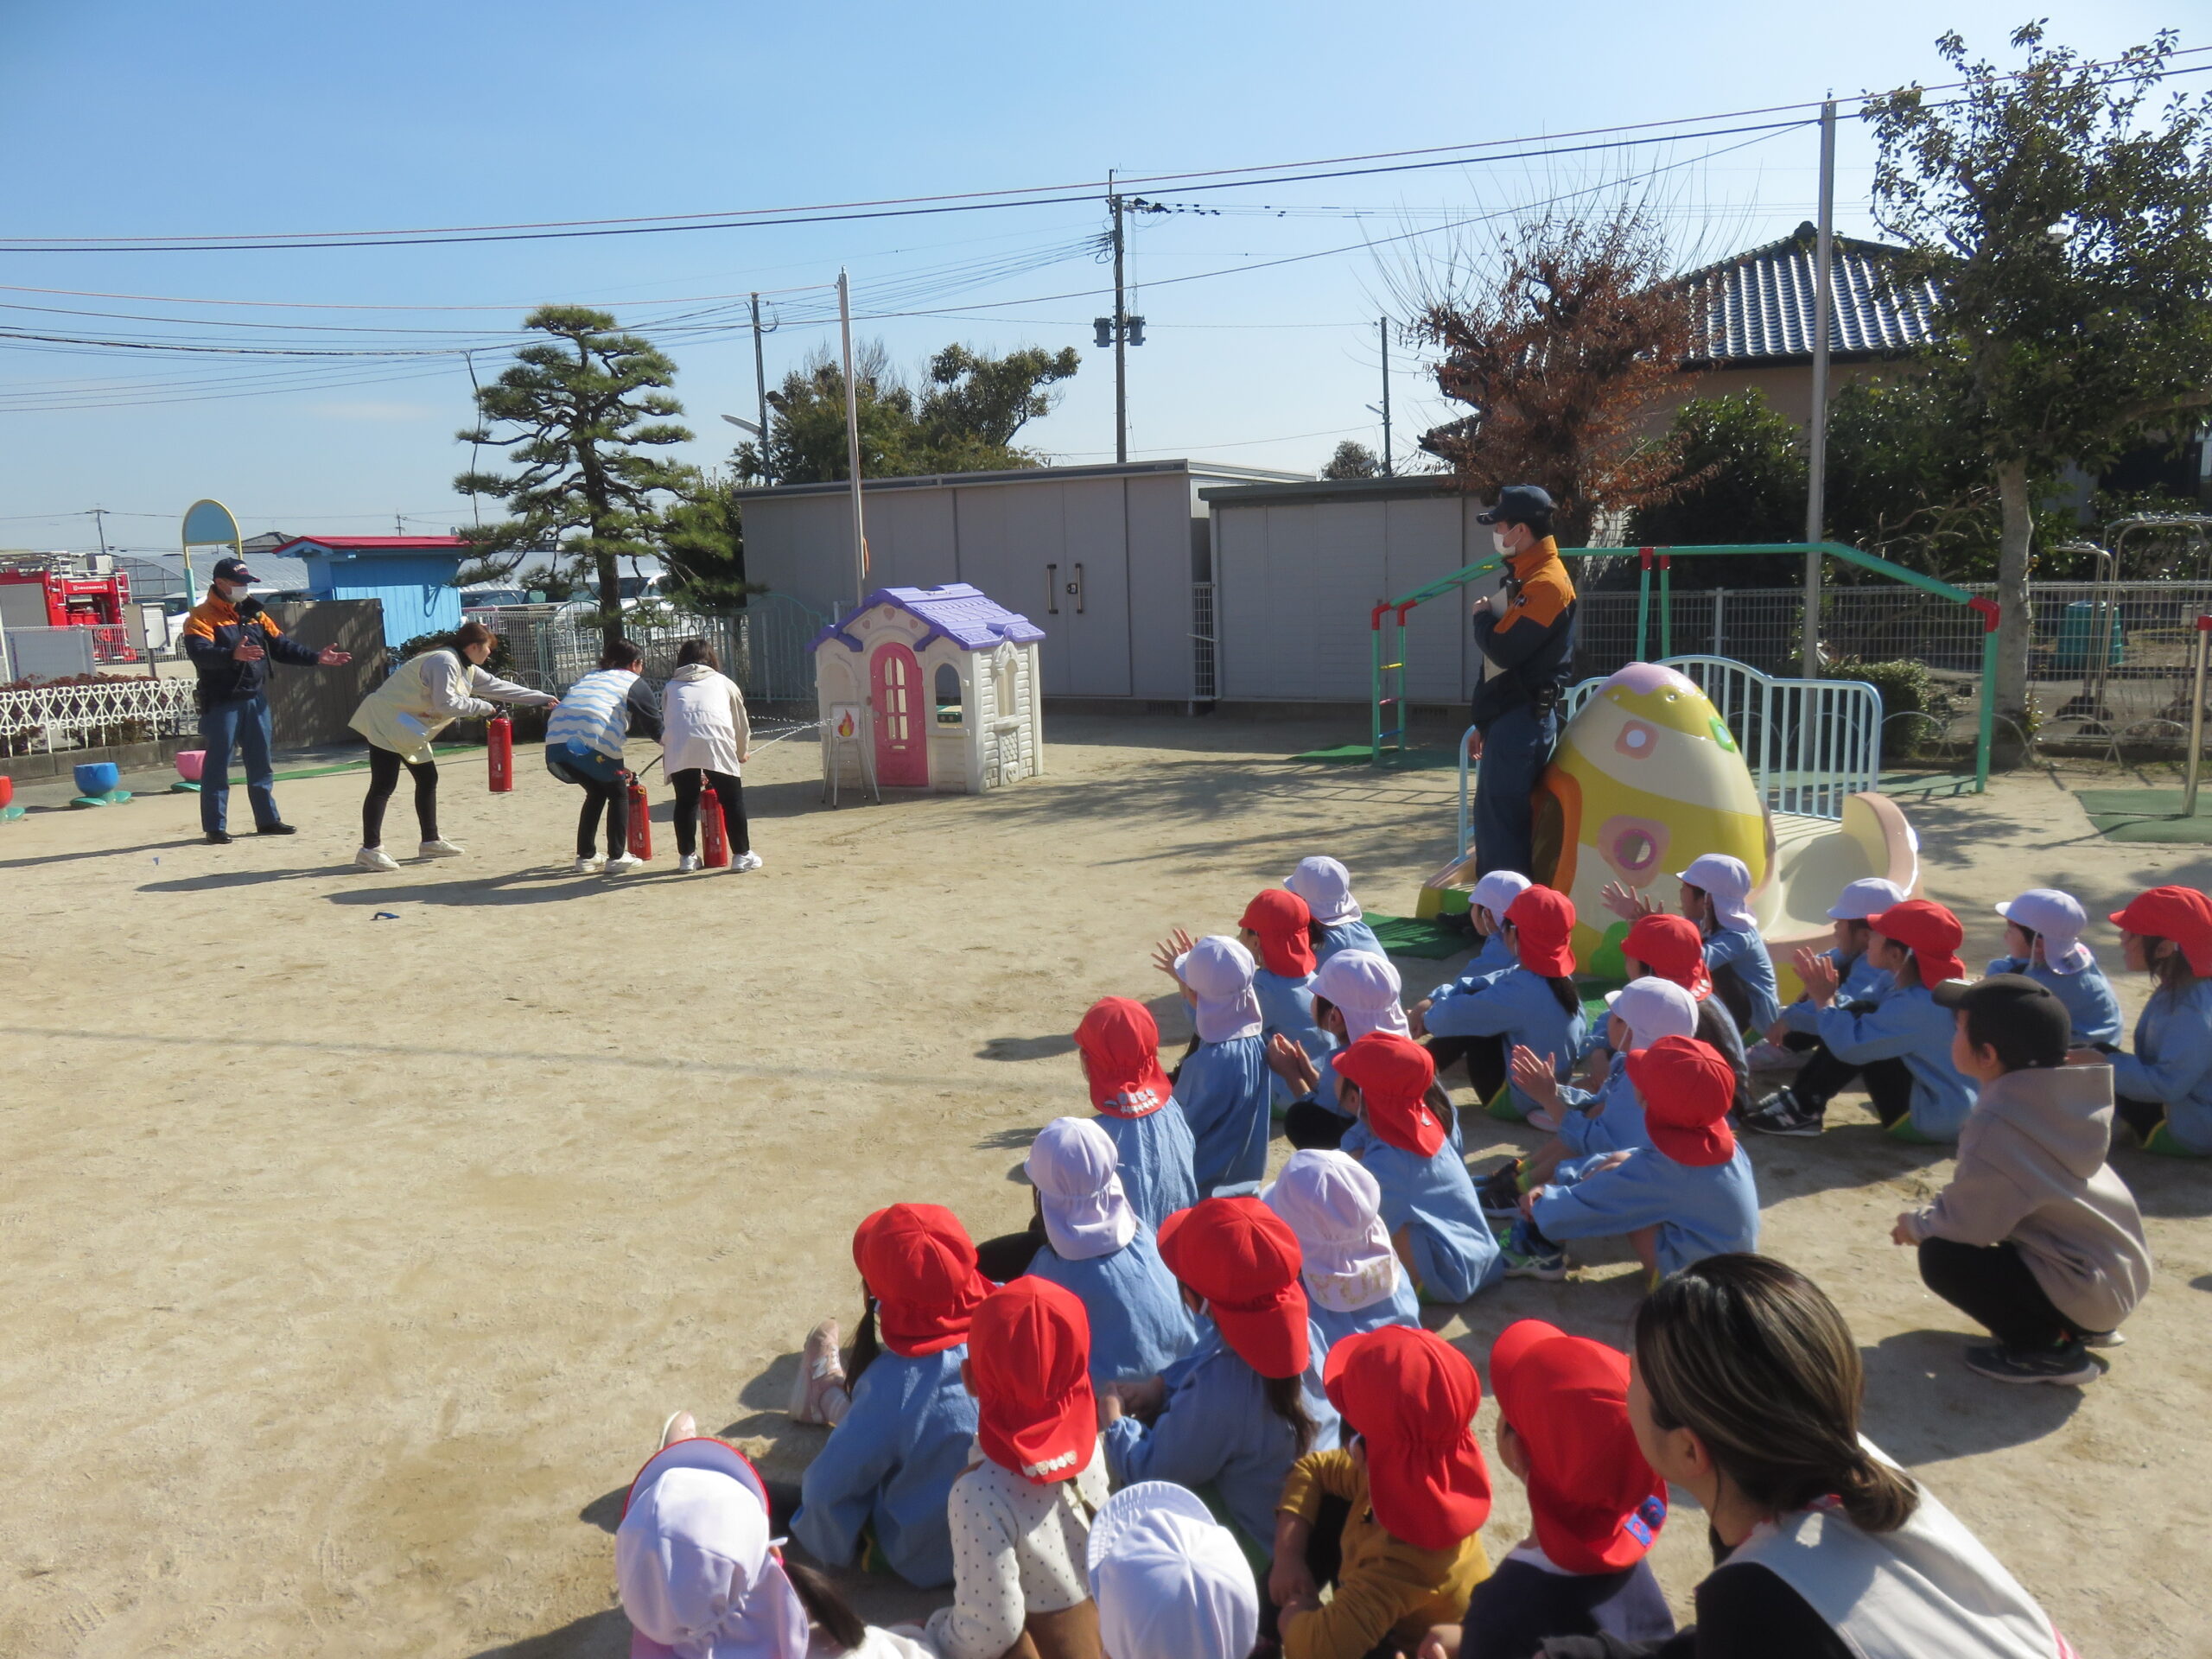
x=1497 y=538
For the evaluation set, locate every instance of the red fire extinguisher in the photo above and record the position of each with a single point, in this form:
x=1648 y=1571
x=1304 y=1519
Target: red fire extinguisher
x=641 y=822
x=717 y=832
x=500 y=752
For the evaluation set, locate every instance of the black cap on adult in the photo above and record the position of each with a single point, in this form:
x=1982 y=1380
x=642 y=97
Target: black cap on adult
x=1518 y=504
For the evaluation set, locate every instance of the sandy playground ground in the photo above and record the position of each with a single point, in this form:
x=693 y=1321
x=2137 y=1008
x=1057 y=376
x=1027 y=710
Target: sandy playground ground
x=353 y=1263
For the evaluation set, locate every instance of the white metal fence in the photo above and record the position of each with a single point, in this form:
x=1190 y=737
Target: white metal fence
x=95 y=713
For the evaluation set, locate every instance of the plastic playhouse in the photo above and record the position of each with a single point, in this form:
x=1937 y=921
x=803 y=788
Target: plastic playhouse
x=930 y=687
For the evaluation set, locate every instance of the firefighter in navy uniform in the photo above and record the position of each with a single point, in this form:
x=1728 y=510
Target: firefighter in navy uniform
x=1526 y=634
x=230 y=639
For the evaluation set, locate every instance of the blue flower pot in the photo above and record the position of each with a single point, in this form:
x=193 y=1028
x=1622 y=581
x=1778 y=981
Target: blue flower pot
x=98 y=777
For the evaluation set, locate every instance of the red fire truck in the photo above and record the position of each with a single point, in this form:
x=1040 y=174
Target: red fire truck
x=64 y=590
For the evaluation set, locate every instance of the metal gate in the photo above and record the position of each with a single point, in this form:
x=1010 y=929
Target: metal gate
x=779 y=648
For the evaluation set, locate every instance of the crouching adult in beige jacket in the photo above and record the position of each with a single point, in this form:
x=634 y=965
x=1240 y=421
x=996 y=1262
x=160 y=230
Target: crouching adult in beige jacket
x=2035 y=1237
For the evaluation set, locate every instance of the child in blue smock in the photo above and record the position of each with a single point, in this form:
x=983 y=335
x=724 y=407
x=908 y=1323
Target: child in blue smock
x=1339 y=923
x=1588 y=1125
x=1119 y=1042
x=1428 y=1204
x=1687 y=1196
x=1903 y=1046
x=1353 y=1279
x=1534 y=1005
x=1716 y=894
x=2163 y=1091
x=1222 y=1084
x=1249 y=1401
x=2043 y=936
x=1354 y=993
x=902 y=1419
x=1794 y=1040
x=1096 y=1247
x=1277 y=928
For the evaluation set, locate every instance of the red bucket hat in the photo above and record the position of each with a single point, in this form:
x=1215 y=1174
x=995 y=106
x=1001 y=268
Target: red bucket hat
x=919 y=1265
x=1121 y=1040
x=1930 y=932
x=1030 y=1351
x=1280 y=918
x=1596 y=1504
x=1243 y=1258
x=2182 y=914
x=1411 y=1396
x=1392 y=1074
x=1670 y=947
x=1544 y=917
x=1687 y=1087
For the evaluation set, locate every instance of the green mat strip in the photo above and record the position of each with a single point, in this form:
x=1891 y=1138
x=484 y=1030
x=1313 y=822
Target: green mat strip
x=1393 y=760
x=2147 y=816
x=1407 y=935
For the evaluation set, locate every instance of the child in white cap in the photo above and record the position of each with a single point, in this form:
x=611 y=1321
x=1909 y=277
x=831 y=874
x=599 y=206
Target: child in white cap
x=2043 y=936
x=1169 y=1579
x=1339 y=923
x=1491 y=897
x=1353 y=1279
x=699 y=1575
x=1717 y=895
x=1222 y=1083
x=1795 y=1036
x=1355 y=992
x=1096 y=1247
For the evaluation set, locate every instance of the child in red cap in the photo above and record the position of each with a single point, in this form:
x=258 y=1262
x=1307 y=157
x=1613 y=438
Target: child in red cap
x=1534 y=1005
x=1238 y=1411
x=1021 y=1514
x=1119 y=1042
x=1716 y=897
x=1687 y=1196
x=2163 y=1090
x=1395 y=1520
x=1428 y=1204
x=1901 y=1046
x=1596 y=1506
x=1277 y=928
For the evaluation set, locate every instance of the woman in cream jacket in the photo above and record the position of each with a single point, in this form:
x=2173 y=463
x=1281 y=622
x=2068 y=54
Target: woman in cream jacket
x=706 y=739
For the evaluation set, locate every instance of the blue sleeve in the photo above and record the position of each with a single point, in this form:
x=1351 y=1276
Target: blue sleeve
x=1490 y=1011
x=2184 y=1045
x=1184 y=1444
x=2007 y=965
x=1746 y=954
x=1895 y=1029
x=838 y=1491
x=1617 y=1200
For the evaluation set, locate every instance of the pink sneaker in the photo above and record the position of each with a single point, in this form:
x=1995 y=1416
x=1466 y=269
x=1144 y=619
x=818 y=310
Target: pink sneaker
x=818 y=1391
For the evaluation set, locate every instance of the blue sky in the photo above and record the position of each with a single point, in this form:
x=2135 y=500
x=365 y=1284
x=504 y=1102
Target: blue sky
x=133 y=119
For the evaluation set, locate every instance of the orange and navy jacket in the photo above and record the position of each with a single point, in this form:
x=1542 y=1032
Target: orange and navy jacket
x=211 y=632
x=1532 y=645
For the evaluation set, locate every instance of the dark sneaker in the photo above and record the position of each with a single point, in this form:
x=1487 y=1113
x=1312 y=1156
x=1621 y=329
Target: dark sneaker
x=1535 y=1263
x=2068 y=1365
x=276 y=830
x=1780 y=1113
x=218 y=837
x=1500 y=1191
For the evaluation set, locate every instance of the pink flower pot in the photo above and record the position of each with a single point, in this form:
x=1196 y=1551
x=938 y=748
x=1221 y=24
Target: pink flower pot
x=188 y=762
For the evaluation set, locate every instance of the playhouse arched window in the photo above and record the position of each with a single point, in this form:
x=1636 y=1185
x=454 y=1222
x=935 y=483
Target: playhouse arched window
x=947 y=695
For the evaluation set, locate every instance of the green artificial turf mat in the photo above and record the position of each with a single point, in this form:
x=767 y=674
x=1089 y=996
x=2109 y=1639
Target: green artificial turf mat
x=1405 y=936
x=1393 y=760
x=2147 y=815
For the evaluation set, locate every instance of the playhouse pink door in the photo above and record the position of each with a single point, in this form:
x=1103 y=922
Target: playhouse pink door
x=899 y=760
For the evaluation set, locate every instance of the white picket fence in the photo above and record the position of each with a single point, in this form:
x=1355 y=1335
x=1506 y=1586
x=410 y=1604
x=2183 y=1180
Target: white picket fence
x=116 y=710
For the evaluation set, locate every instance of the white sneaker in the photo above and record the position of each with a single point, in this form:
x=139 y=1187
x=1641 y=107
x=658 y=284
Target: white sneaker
x=440 y=849
x=745 y=861
x=624 y=865
x=374 y=858
x=688 y=864
x=586 y=866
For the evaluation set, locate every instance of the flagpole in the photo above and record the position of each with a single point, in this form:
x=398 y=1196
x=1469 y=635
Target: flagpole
x=853 y=439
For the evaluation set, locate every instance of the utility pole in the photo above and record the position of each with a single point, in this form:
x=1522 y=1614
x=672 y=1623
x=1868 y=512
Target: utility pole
x=852 y=438
x=760 y=390
x=99 y=525
x=1816 y=471
x=1382 y=326
x=1121 y=335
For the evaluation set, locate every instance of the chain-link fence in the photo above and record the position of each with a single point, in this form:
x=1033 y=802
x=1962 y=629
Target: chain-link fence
x=551 y=652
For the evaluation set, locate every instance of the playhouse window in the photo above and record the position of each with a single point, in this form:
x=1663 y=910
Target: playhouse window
x=948 y=695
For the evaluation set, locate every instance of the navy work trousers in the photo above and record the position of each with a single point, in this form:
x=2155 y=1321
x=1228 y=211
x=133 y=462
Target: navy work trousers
x=244 y=725
x=1515 y=750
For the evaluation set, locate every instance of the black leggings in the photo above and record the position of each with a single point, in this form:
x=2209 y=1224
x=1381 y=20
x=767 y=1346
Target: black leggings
x=384 y=778
x=1991 y=1286
x=1486 y=1058
x=2140 y=1115
x=614 y=800
x=728 y=791
x=1309 y=1125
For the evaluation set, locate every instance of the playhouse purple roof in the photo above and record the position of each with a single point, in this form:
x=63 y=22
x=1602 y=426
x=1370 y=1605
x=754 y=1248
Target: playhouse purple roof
x=957 y=610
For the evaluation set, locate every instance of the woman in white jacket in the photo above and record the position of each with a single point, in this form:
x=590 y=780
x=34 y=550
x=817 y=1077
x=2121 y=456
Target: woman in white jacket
x=423 y=695
x=705 y=739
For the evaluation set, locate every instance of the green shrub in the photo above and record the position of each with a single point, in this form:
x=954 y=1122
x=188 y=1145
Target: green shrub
x=1906 y=688
x=501 y=661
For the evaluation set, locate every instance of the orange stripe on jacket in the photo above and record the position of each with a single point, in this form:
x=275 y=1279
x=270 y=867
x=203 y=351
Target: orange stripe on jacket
x=1546 y=590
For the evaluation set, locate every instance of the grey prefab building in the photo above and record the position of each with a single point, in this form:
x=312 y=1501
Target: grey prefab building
x=1114 y=562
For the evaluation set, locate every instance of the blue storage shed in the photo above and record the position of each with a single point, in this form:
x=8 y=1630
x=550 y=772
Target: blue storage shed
x=412 y=575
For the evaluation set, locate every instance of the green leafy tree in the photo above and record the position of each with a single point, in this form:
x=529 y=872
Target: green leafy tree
x=1352 y=460
x=975 y=405
x=2068 y=223
x=581 y=415
x=1742 y=464
x=702 y=542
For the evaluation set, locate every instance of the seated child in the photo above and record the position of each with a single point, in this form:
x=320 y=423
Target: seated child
x=1637 y=1016
x=1020 y=1512
x=1353 y=1281
x=1222 y=1084
x=1687 y=1196
x=2035 y=1237
x=1671 y=948
x=1394 y=1522
x=1794 y=1038
x=1532 y=1005
x=2043 y=939
x=1429 y=1206
x=1119 y=1042
x=1325 y=885
x=1098 y=1247
x=1354 y=993
x=1239 y=1411
x=698 y=1570
x=1169 y=1579
x=1487 y=903
x=1716 y=894
x=902 y=1419
x=1563 y=1430
x=1276 y=927
x=2163 y=1090
x=1902 y=1046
